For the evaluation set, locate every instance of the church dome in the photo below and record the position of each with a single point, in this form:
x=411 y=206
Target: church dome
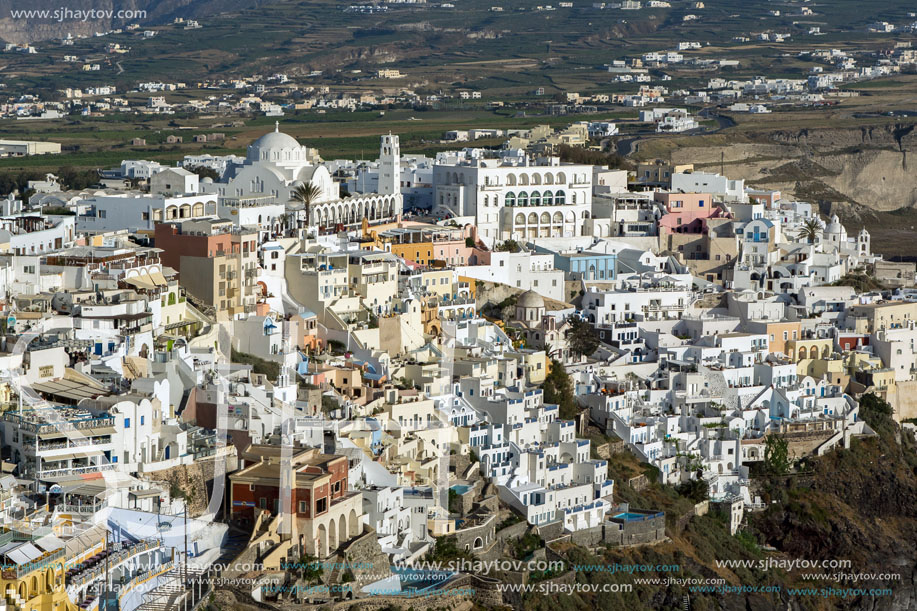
x=834 y=226
x=277 y=147
x=530 y=299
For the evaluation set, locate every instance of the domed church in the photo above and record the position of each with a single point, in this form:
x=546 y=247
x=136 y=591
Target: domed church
x=275 y=165
x=260 y=188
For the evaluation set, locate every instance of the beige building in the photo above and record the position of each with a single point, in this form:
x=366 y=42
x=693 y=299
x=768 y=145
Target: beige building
x=871 y=317
x=216 y=261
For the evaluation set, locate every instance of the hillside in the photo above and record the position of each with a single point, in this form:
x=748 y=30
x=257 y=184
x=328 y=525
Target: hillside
x=858 y=505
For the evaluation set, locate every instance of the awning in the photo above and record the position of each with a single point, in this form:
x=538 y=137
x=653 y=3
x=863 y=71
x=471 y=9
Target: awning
x=143 y=494
x=49 y=543
x=24 y=554
x=141 y=281
x=158 y=279
x=69 y=388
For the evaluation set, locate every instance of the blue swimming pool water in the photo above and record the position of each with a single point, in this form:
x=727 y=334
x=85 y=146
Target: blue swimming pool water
x=461 y=488
x=630 y=516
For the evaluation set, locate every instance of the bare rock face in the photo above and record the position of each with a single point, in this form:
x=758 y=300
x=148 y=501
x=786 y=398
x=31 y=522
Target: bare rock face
x=868 y=166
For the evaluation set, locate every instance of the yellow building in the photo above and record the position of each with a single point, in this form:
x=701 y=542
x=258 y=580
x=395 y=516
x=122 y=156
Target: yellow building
x=33 y=576
x=802 y=349
x=418 y=252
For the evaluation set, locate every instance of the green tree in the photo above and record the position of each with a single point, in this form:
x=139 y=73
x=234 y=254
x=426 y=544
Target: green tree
x=508 y=246
x=877 y=413
x=776 y=455
x=809 y=231
x=310 y=569
x=303 y=197
x=581 y=337
x=694 y=489
x=205 y=172
x=558 y=389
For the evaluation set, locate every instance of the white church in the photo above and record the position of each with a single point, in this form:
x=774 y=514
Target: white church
x=276 y=163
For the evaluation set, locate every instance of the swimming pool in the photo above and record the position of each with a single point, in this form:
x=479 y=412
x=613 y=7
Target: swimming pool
x=630 y=516
x=460 y=488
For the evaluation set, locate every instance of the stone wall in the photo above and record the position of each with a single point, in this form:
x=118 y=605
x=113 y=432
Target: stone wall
x=623 y=532
x=607 y=450
x=460 y=595
x=366 y=560
x=638 y=482
x=468 y=536
x=550 y=531
x=904 y=400
x=512 y=532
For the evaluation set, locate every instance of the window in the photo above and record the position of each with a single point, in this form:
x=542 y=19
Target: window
x=251 y=487
x=127 y=423
x=142 y=418
x=262 y=503
x=321 y=505
x=302 y=507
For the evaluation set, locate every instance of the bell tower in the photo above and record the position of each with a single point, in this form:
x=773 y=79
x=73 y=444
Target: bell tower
x=389 y=166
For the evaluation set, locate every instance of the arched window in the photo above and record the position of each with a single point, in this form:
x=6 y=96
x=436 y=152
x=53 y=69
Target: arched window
x=536 y=179
x=510 y=199
x=560 y=198
x=545 y=218
x=533 y=219
x=561 y=178
x=520 y=219
x=548 y=198
x=523 y=179
x=535 y=199
x=511 y=180
x=523 y=199
x=549 y=179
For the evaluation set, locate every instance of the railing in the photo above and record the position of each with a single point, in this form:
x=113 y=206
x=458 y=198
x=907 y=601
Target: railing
x=76 y=470
x=23 y=570
x=165 y=567
x=77 y=443
x=61 y=426
x=83 y=508
x=98 y=569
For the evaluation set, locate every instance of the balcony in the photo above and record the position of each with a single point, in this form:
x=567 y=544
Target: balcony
x=75 y=471
x=34 y=424
x=95 y=569
x=47 y=448
x=21 y=571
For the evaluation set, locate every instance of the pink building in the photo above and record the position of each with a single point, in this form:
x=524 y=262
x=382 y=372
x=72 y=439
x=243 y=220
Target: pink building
x=456 y=252
x=687 y=212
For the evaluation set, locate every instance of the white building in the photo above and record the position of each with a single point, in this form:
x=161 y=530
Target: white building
x=522 y=270
x=511 y=198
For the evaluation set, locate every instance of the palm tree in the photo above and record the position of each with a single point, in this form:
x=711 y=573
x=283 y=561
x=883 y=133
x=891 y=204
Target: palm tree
x=809 y=231
x=305 y=195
